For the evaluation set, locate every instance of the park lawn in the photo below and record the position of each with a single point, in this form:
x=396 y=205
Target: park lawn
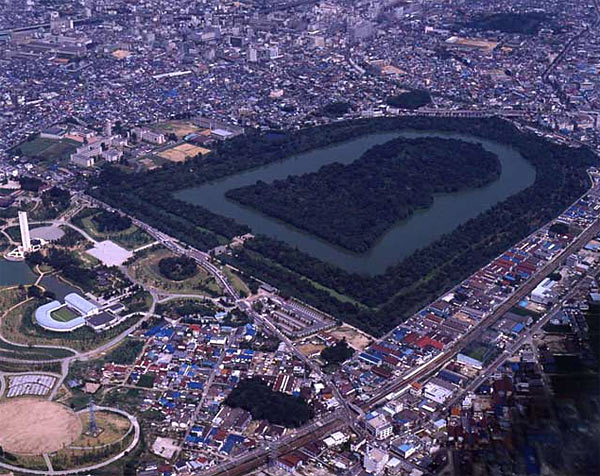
x=237 y=282
x=82 y=456
x=11 y=295
x=146 y=270
x=27 y=461
x=14 y=232
x=139 y=302
x=114 y=427
x=49 y=149
x=9 y=298
x=64 y=314
x=131 y=238
x=11 y=351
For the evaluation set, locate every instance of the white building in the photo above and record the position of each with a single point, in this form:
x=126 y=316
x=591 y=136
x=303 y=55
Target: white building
x=543 y=293
x=85 y=307
x=380 y=427
x=375 y=460
x=112 y=155
x=83 y=160
x=437 y=393
x=147 y=135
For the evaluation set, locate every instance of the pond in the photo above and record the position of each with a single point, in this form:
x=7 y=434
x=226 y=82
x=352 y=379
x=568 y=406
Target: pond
x=14 y=273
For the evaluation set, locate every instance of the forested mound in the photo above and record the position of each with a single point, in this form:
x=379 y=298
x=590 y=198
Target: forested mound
x=353 y=205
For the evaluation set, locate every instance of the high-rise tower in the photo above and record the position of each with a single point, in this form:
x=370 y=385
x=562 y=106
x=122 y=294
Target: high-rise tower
x=24 y=226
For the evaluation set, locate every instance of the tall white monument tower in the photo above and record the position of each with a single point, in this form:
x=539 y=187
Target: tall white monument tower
x=25 y=238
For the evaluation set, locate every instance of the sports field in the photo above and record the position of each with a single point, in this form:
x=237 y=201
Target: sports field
x=49 y=149
x=179 y=128
x=64 y=314
x=181 y=152
x=34 y=426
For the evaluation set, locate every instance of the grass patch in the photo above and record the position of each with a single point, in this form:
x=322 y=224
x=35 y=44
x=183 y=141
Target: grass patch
x=114 y=427
x=48 y=149
x=64 y=314
x=146 y=381
x=147 y=271
x=19 y=326
x=130 y=238
x=237 y=282
x=11 y=351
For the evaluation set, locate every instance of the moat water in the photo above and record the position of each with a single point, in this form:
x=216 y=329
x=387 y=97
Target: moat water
x=422 y=228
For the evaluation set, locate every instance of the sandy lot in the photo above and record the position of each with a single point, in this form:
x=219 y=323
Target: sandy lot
x=33 y=426
x=355 y=338
x=165 y=447
x=181 y=152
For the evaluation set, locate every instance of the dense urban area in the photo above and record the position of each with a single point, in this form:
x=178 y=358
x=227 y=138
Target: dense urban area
x=299 y=237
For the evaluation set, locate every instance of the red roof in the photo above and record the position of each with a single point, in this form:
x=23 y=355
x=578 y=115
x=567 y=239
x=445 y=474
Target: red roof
x=411 y=338
x=428 y=341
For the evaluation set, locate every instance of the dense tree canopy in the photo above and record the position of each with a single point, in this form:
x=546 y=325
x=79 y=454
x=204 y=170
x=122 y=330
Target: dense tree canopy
x=410 y=99
x=108 y=222
x=338 y=353
x=56 y=197
x=510 y=22
x=559 y=228
x=30 y=184
x=353 y=205
x=177 y=268
x=336 y=109
x=70 y=267
x=256 y=397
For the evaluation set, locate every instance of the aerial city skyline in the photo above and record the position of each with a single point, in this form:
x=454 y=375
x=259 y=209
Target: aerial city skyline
x=299 y=237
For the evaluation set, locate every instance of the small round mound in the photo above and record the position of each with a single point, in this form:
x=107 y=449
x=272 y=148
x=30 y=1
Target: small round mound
x=33 y=426
x=177 y=268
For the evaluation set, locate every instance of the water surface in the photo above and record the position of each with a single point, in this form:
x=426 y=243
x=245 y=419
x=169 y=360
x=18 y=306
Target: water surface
x=422 y=228
x=14 y=273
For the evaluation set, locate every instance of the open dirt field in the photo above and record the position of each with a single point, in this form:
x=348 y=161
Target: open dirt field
x=121 y=54
x=355 y=338
x=310 y=349
x=33 y=426
x=182 y=151
x=179 y=128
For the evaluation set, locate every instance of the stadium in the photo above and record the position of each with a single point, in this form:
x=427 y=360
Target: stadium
x=65 y=317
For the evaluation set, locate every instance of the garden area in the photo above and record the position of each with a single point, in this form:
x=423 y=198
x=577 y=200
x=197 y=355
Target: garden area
x=165 y=272
x=102 y=225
